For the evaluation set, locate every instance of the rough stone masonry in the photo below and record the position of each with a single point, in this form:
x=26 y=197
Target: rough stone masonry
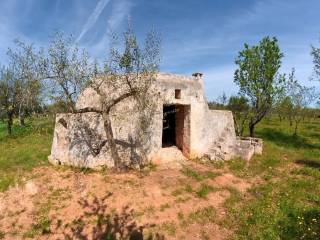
x=182 y=119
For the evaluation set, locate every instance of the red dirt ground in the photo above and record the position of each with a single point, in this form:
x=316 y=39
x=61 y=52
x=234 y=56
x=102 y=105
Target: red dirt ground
x=59 y=203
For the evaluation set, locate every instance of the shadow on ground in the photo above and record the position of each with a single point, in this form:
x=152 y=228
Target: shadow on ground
x=100 y=222
x=286 y=140
x=309 y=163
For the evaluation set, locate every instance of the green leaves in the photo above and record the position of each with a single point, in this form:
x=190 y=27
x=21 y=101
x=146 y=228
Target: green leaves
x=257 y=75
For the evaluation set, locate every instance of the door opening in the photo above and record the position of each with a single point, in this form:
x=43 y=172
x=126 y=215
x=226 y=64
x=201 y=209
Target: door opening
x=169 y=126
x=176 y=127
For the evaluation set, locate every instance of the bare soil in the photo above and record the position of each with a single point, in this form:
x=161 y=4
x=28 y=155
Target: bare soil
x=176 y=203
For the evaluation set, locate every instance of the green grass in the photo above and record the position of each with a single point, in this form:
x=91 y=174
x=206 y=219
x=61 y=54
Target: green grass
x=27 y=148
x=198 y=176
x=203 y=215
x=287 y=204
x=204 y=190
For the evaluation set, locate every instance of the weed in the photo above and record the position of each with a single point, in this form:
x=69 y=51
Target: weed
x=203 y=215
x=204 y=190
x=204 y=235
x=188 y=189
x=177 y=192
x=170 y=227
x=150 y=210
x=198 y=176
x=164 y=207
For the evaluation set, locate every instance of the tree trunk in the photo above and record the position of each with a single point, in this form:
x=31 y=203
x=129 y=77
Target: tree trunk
x=22 y=123
x=111 y=142
x=10 y=123
x=251 y=128
x=296 y=129
x=21 y=116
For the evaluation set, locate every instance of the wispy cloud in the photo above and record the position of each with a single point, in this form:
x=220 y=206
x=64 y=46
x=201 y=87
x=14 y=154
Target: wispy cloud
x=120 y=11
x=93 y=18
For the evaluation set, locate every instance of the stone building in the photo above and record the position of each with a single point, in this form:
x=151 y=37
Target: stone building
x=182 y=120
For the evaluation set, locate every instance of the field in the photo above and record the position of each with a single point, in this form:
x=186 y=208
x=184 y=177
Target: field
x=275 y=196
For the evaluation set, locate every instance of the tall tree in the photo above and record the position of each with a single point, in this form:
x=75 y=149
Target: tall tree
x=258 y=78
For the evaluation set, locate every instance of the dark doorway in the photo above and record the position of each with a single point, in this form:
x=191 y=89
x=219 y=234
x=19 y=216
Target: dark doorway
x=169 y=126
x=176 y=127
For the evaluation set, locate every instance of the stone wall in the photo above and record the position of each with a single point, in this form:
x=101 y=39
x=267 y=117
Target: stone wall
x=79 y=139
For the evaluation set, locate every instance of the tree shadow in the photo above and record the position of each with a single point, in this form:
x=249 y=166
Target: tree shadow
x=88 y=139
x=309 y=163
x=285 y=140
x=98 y=222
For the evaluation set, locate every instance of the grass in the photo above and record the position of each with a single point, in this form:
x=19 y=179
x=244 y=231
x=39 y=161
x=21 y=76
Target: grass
x=27 y=148
x=203 y=215
x=198 y=176
x=165 y=206
x=42 y=221
x=170 y=227
x=286 y=205
x=204 y=190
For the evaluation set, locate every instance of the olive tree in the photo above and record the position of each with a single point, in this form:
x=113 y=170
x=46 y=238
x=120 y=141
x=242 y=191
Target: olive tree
x=19 y=83
x=315 y=52
x=23 y=61
x=8 y=95
x=129 y=74
x=65 y=69
x=258 y=78
x=240 y=109
x=284 y=109
x=301 y=97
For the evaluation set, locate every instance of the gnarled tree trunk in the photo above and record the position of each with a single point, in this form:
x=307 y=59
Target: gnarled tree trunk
x=111 y=141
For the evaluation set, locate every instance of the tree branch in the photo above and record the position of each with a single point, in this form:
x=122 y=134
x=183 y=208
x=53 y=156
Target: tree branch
x=88 y=109
x=119 y=99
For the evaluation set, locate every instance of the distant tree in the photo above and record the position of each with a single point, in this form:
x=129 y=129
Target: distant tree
x=25 y=69
x=315 y=52
x=241 y=109
x=301 y=97
x=223 y=99
x=284 y=109
x=258 y=78
x=8 y=95
x=215 y=105
x=65 y=69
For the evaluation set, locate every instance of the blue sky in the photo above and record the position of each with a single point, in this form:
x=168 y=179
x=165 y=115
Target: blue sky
x=198 y=35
